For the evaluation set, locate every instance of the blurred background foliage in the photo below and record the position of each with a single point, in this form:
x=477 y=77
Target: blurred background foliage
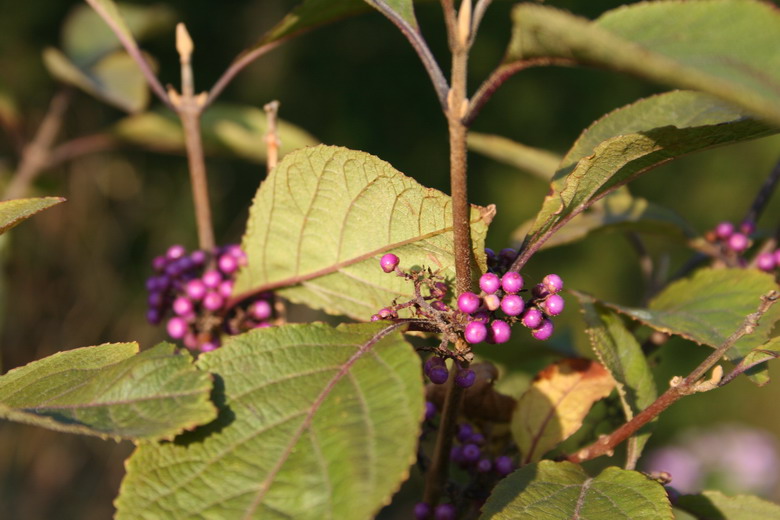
x=74 y=275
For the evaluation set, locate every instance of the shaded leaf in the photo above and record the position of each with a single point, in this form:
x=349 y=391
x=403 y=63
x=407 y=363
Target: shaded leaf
x=111 y=391
x=621 y=354
x=325 y=216
x=226 y=129
x=315 y=422
x=714 y=505
x=13 y=212
x=563 y=491
x=708 y=307
x=761 y=354
x=402 y=8
x=556 y=403
x=631 y=141
x=536 y=161
x=695 y=45
x=308 y=15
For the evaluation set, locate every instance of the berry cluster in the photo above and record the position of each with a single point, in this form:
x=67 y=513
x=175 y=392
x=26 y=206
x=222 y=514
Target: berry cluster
x=468 y=454
x=435 y=368
x=734 y=242
x=195 y=288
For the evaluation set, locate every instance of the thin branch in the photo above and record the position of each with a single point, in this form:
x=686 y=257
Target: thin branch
x=679 y=388
x=763 y=196
x=79 y=146
x=272 y=140
x=36 y=154
x=132 y=49
x=479 y=12
x=243 y=59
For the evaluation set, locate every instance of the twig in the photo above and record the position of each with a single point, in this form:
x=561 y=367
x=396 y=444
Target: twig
x=646 y=264
x=763 y=196
x=36 y=154
x=680 y=387
x=479 y=12
x=272 y=140
x=79 y=146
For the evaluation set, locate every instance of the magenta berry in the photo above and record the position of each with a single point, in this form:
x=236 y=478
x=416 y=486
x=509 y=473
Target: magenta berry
x=489 y=283
x=738 y=242
x=766 y=261
x=182 y=306
x=465 y=378
x=212 y=279
x=532 y=318
x=389 y=262
x=512 y=305
x=553 y=305
x=544 y=331
x=228 y=264
x=747 y=227
x=492 y=302
x=475 y=332
x=439 y=290
x=159 y=263
x=175 y=252
x=553 y=283
x=512 y=282
x=724 y=230
x=225 y=288
x=260 y=310
x=213 y=301
x=501 y=331
x=468 y=302
x=177 y=327
x=196 y=289
x=198 y=257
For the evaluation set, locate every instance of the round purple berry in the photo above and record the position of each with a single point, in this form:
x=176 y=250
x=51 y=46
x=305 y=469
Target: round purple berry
x=430 y=410
x=471 y=452
x=195 y=289
x=228 y=264
x=504 y=465
x=468 y=302
x=507 y=255
x=175 y=252
x=159 y=263
x=182 y=306
x=492 y=302
x=212 y=278
x=553 y=305
x=177 y=327
x=490 y=256
x=747 y=227
x=501 y=331
x=512 y=305
x=389 y=262
x=477 y=438
x=153 y=316
x=465 y=431
x=439 y=290
x=465 y=378
x=445 y=512
x=484 y=466
x=512 y=282
x=476 y=332
x=738 y=242
x=225 y=288
x=724 y=230
x=532 y=318
x=438 y=375
x=766 y=261
x=433 y=361
x=213 y=301
x=422 y=511
x=489 y=283
x=198 y=257
x=544 y=331
x=260 y=310
x=155 y=299
x=553 y=283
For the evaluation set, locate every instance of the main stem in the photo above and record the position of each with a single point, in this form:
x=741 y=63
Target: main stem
x=190 y=119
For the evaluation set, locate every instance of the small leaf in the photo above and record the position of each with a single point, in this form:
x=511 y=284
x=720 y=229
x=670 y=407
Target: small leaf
x=621 y=354
x=227 y=129
x=708 y=307
x=556 y=403
x=763 y=353
x=723 y=47
x=314 y=423
x=632 y=140
x=536 y=161
x=110 y=391
x=12 y=212
x=325 y=216
x=714 y=505
x=563 y=491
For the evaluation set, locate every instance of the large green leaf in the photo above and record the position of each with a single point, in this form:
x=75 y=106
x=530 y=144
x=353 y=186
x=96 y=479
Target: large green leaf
x=314 y=423
x=563 y=491
x=226 y=129
x=708 y=307
x=724 y=47
x=110 y=391
x=621 y=354
x=538 y=162
x=631 y=141
x=714 y=505
x=325 y=216
x=12 y=212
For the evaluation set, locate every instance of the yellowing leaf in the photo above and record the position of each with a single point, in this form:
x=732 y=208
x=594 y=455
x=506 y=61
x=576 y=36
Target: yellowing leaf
x=553 y=408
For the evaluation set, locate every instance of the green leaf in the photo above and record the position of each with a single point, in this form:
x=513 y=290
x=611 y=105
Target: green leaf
x=563 y=491
x=708 y=307
x=308 y=15
x=110 y=391
x=714 y=505
x=115 y=78
x=724 y=47
x=226 y=129
x=13 y=212
x=314 y=423
x=535 y=161
x=621 y=354
x=402 y=8
x=632 y=140
x=86 y=37
x=325 y=216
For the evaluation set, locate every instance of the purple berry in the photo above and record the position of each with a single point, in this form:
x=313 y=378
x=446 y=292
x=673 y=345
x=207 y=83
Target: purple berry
x=260 y=310
x=539 y=291
x=182 y=306
x=481 y=316
x=153 y=316
x=738 y=242
x=389 y=262
x=422 y=511
x=440 y=306
x=430 y=410
x=507 y=255
x=512 y=282
x=476 y=332
x=465 y=431
x=175 y=252
x=477 y=438
x=532 y=318
x=159 y=263
x=489 y=283
x=553 y=283
x=212 y=279
x=747 y=227
x=438 y=375
x=228 y=264
x=445 y=512
x=225 y=288
x=456 y=455
x=544 y=331
x=431 y=362
x=490 y=256
x=155 y=299
x=177 y=327
x=439 y=290
x=387 y=313
x=512 y=305
x=471 y=452
x=468 y=302
x=213 y=301
x=501 y=331
x=484 y=466
x=198 y=257
x=504 y=465
x=492 y=302
x=724 y=230
x=766 y=261
x=209 y=346
x=235 y=251
x=465 y=378
x=553 y=305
